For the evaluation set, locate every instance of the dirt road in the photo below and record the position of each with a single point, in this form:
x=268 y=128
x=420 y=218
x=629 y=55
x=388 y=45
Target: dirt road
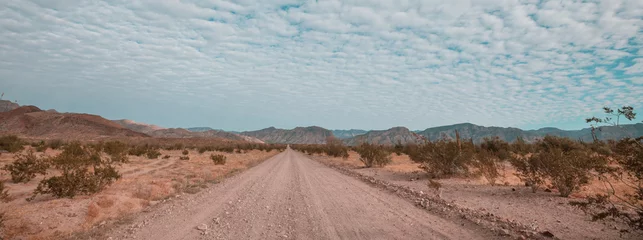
x=292 y=197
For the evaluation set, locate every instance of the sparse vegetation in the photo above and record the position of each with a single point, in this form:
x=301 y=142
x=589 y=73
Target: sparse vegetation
x=153 y=153
x=74 y=163
x=565 y=163
x=185 y=152
x=335 y=148
x=373 y=155
x=626 y=205
x=444 y=158
x=11 y=143
x=218 y=159
x=26 y=167
x=184 y=158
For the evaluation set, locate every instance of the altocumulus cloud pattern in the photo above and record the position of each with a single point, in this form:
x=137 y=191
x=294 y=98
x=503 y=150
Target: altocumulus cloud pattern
x=339 y=64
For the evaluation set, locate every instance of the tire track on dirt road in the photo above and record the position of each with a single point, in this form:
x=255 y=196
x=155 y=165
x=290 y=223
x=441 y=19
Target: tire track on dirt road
x=290 y=196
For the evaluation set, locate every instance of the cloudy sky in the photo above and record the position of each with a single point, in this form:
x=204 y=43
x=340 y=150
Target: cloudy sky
x=369 y=64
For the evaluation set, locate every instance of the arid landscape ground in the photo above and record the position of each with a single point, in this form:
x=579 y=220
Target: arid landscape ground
x=79 y=176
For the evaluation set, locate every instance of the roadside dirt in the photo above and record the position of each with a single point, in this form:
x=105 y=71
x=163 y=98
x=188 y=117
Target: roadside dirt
x=292 y=197
x=144 y=183
x=513 y=202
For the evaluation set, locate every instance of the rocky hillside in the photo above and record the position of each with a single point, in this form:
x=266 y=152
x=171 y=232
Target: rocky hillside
x=30 y=121
x=345 y=134
x=468 y=130
x=184 y=133
x=6 y=105
x=385 y=137
x=138 y=127
x=299 y=135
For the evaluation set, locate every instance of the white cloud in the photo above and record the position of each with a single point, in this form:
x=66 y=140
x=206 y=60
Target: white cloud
x=330 y=63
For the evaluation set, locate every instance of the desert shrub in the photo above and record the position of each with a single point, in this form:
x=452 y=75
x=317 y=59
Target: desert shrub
x=4 y=193
x=152 y=153
x=565 y=163
x=335 y=148
x=137 y=150
x=40 y=146
x=166 y=157
x=55 y=144
x=184 y=158
x=373 y=155
x=521 y=147
x=497 y=147
x=116 y=150
x=75 y=163
x=488 y=164
x=398 y=148
x=26 y=167
x=203 y=150
x=529 y=170
x=568 y=170
x=628 y=206
x=218 y=159
x=444 y=158
x=185 y=152
x=11 y=143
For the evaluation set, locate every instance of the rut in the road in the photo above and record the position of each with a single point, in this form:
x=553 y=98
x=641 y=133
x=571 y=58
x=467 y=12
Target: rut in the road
x=291 y=196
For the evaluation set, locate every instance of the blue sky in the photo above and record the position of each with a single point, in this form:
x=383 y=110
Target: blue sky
x=244 y=65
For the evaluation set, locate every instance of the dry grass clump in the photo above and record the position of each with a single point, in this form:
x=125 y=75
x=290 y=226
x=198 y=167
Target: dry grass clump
x=218 y=159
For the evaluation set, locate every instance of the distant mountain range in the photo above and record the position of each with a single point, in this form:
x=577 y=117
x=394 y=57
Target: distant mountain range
x=304 y=135
x=345 y=134
x=32 y=122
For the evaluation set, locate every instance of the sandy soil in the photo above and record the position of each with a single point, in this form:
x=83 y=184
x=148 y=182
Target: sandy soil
x=542 y=211
x=144 y=183
x=292 y=197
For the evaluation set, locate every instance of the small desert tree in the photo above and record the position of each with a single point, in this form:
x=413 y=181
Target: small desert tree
x=373 y=155
x=597 y=123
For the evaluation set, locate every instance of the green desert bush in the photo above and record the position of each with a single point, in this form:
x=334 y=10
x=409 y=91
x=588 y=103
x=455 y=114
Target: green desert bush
x=26 y=166
x=373 y=155
x=218 y=159
x=335 y=148
x=116 y=150
x=11 y=143
x=444 y=158
x=83 y=172
x=152 y=153
x=624 y=205
x=565 y=163
x=488 y=164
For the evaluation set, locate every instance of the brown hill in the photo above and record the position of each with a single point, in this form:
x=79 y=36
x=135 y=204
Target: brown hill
x=30 y=121
x=299 y=135
x=385 y=137
x=183 y=133
x=6 y=105
x=138 y=127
